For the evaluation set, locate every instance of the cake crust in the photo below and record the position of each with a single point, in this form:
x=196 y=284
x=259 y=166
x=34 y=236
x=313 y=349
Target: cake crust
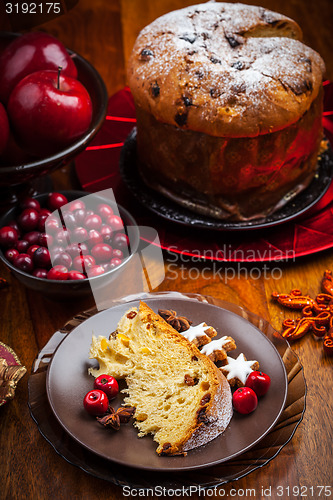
x=224 y=69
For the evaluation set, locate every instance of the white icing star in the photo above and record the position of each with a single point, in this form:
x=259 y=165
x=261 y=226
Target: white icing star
x=238 y=368
x=196 y=331
x=215 y=345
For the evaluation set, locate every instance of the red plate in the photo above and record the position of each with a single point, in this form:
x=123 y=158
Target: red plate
x=98 y=168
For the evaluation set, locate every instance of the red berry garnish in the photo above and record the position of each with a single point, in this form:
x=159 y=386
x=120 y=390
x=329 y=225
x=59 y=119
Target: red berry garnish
x=107 y=233
x=96 y=402
x=56 y=200
x=121 y=241
x=244 y=400
x=107 y=384
x=8 y=237
x=259 y=382
x=117 y=254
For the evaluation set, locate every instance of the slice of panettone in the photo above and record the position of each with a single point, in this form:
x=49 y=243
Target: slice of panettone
x=180 y=396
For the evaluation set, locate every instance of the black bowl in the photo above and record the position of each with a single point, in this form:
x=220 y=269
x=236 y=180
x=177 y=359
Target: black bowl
x=71 y=289
x=19 y=174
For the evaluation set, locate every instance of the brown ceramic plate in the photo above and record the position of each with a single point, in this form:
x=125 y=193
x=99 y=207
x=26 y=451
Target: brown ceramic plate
x=68 y=381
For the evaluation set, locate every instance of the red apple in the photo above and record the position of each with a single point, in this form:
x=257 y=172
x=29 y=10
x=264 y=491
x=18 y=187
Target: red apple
x=4 y=128
x=14 y=154
x=47 y=117
x=29 y=53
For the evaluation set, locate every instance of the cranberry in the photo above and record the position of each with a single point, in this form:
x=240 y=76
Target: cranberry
x=120 y=241
x=62 y=259
x=77 y=205
x=117 y=254
x=62 y=237
x=79 y=234
x=41 y=223
x=52 y=225
x=45 y=240
x=56 y=249
x=96 y=402
x=114 y=262
x=83 y=262
x=80 y=216
x=104 y=211
x=30 y=203
x=107 y=384
x=8 y=237
x=40 y=273
x=22 y=246
x=11 y=254
x=93 y=222
x=28 y=219
x=95 y=271
x=31 y=250
x=32 y=238
x=94 y=237
x=115 y=222
x=106 y=233
x=44 y=211
x=69 y=220
x=90 y=212
x=14 y=225
x=101 y=252
x=23 y=261
x=75 y=275
x=75 y=249
x=56 y=200
x=41 y=257
x=58 y=273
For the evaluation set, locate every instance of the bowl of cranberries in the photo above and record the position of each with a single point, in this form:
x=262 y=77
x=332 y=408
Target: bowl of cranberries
x=59 y=243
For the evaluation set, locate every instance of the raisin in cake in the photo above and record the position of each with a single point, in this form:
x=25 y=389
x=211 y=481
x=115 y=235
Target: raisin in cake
x=228 y=102
x=180 y=396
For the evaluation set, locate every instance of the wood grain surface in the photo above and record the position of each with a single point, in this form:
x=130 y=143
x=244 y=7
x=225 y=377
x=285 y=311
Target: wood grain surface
x=104 y=31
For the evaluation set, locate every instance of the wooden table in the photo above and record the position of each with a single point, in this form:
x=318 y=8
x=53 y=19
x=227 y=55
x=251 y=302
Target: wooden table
x=104 y=31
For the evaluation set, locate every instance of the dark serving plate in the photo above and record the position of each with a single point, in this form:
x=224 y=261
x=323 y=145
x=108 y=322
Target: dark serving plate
x=169 y=473
x=171 y=211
